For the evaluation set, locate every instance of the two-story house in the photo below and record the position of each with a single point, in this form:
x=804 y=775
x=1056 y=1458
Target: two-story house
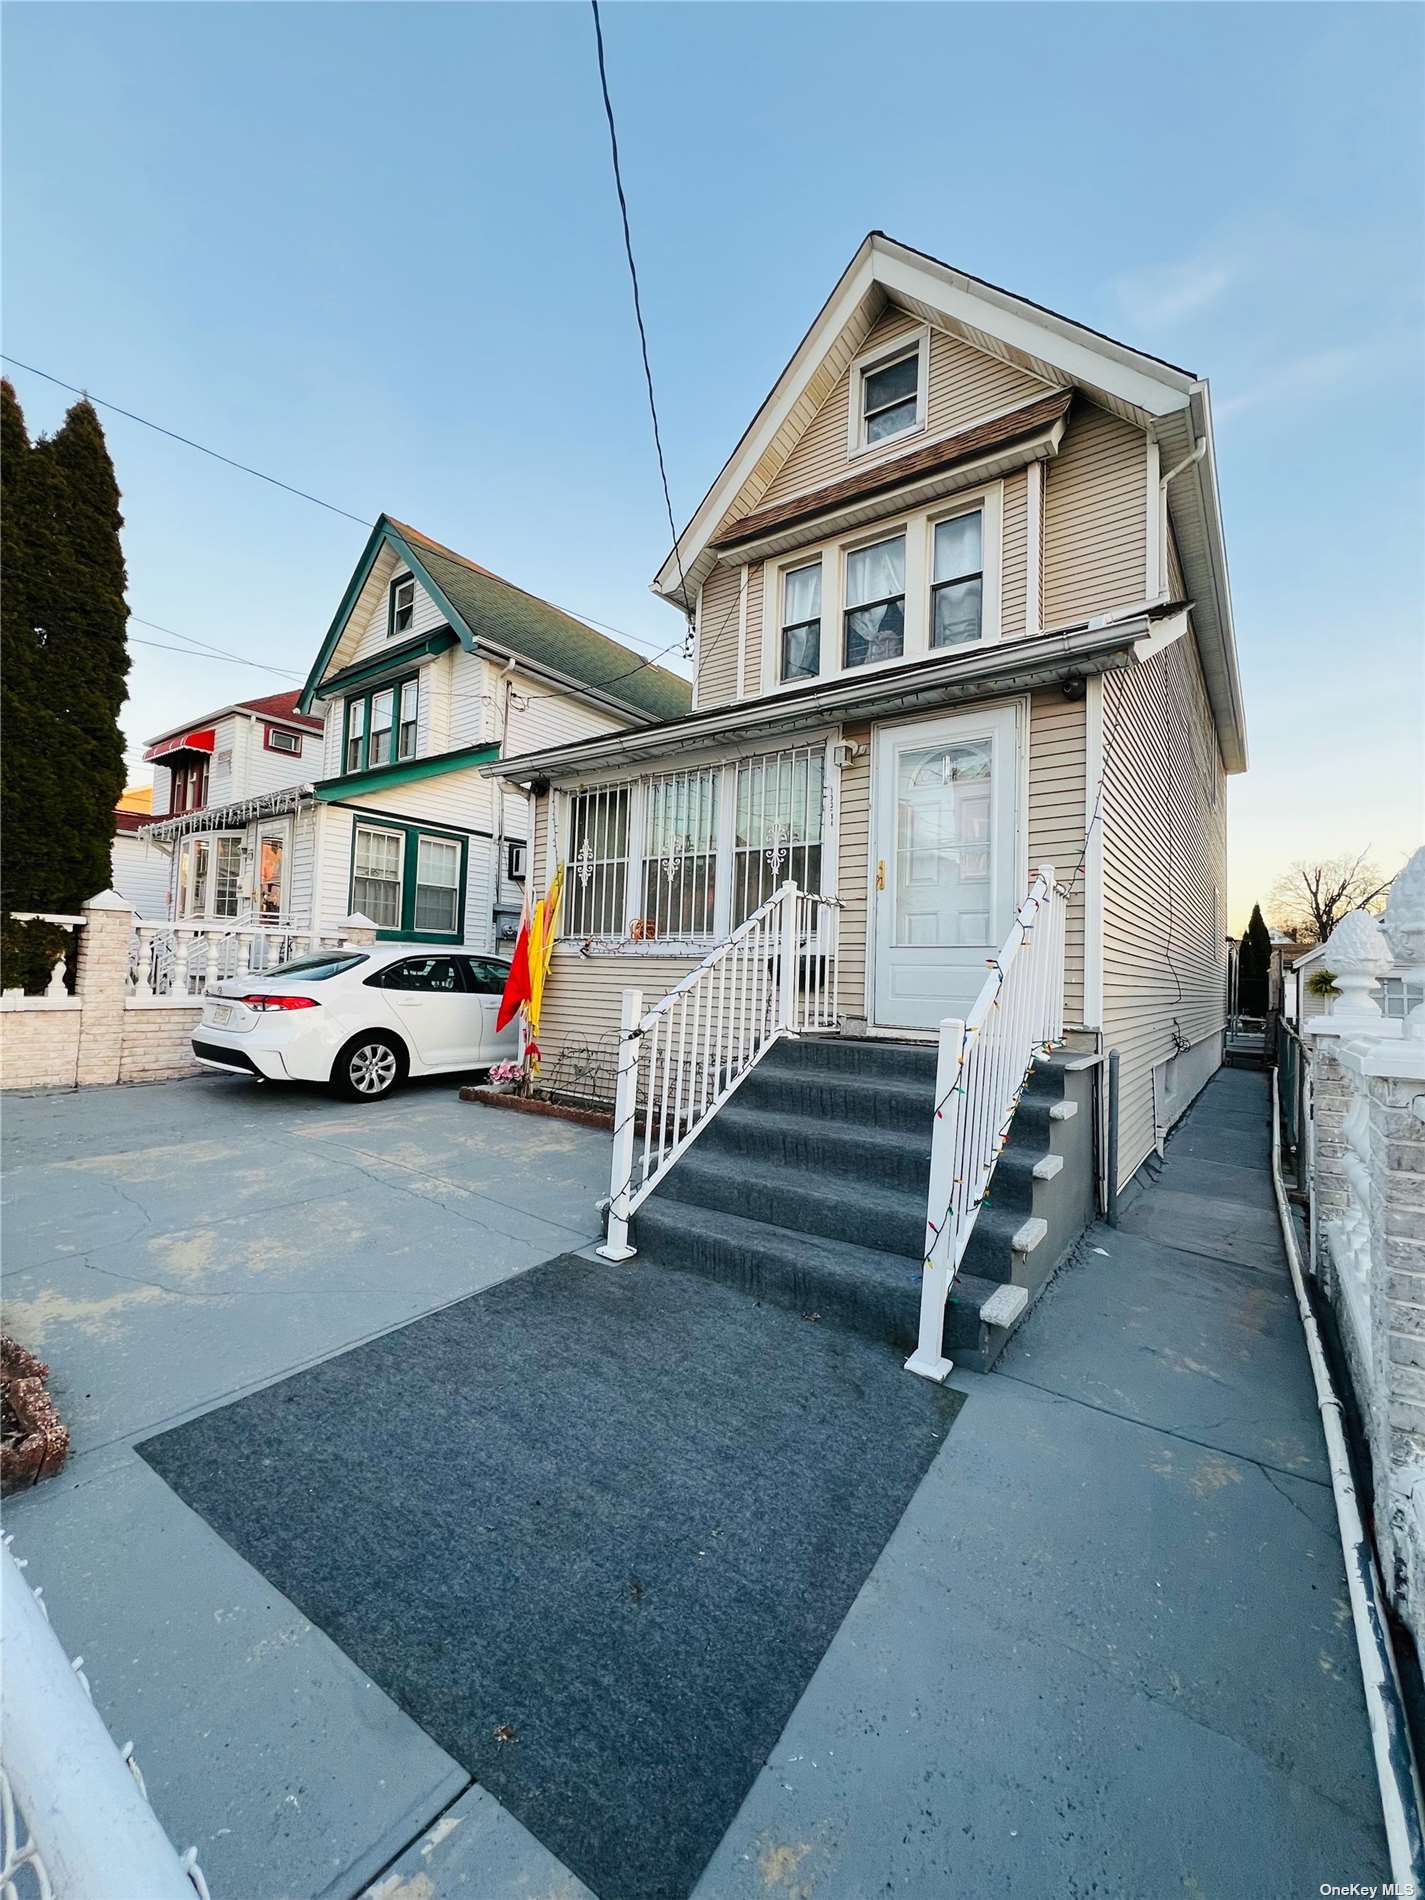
x=962 y=610
x=363 y=793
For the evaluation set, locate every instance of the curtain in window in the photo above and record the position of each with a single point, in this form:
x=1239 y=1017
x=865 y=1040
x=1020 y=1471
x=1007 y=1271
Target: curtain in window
x=437 y=885
x=376 y=886
x=875 y=575
x=778 y=828
x=958 y=585
x=679 y=862
x=379 y=748
x=598 y=861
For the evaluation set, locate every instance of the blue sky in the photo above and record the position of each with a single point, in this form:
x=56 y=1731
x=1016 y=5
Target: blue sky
x=374 y=250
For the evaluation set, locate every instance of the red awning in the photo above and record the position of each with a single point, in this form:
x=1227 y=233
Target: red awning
x=184 y=742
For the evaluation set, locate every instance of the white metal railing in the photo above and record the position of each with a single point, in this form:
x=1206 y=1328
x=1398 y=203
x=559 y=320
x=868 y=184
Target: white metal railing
x=677 y=1064
x=985 y=1061
x=177 y=962
x=79 y=1802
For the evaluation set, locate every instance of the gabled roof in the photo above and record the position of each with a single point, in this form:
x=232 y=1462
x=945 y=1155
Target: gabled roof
x=493 y=616
x=1169 y=403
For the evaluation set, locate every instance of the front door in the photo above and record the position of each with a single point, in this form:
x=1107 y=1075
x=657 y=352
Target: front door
x=947 y=871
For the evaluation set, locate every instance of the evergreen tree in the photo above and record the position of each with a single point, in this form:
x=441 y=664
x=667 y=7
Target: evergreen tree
x=65 y=661
x=63 y=669
x=1254 y=962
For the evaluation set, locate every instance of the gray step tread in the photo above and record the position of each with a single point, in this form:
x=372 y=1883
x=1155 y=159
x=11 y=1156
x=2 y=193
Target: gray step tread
x=743 y=1115
x=700 y=1162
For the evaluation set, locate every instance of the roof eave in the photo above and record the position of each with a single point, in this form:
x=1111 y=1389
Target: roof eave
x=1011 y=666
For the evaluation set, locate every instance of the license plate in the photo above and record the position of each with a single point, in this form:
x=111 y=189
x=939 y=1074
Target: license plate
x=222 y=1013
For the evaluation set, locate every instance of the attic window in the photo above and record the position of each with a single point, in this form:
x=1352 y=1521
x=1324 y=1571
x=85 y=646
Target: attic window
x=403 y=606
x=889 y=390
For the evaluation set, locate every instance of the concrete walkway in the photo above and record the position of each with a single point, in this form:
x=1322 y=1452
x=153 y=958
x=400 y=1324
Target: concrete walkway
x=1106 y=1651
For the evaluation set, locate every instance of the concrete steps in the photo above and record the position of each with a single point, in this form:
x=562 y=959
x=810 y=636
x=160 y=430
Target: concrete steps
x=809 y=1190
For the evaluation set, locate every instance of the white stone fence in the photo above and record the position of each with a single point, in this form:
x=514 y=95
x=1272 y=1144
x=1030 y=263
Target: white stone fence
x=138 y=995
x=1367 y=1176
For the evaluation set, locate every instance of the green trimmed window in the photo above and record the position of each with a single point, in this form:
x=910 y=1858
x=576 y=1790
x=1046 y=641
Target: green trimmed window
x=380 y=726
x=401 y=606
x=410 y=880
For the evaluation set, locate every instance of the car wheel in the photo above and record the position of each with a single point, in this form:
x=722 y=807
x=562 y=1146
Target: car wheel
x=369 y=1067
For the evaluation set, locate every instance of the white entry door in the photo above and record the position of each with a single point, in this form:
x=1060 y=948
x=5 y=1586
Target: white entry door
x=946 y=870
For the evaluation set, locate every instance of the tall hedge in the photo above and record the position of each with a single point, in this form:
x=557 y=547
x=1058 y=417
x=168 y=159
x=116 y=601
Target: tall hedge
x=63 y=661
x=1254 y=962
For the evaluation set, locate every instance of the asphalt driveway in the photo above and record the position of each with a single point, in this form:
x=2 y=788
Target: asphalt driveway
x=167 y=1248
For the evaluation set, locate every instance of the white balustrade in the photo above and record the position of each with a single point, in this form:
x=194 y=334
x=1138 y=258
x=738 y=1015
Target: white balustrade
x=985 y=1059
x=177 y=963
x=678 y=1063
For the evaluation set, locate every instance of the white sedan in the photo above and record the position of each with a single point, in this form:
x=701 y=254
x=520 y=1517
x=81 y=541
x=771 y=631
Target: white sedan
x=361 y=1020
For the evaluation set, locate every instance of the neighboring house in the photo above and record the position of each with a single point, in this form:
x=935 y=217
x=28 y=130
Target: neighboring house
x=962 y=608
x=432 y=668
x=372 y=800
x=228 y=812
x=138 y=869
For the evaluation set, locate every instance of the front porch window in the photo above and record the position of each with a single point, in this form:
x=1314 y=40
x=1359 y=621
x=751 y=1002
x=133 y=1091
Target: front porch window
x=688 y=856
x=779 y=826
x=680 y=854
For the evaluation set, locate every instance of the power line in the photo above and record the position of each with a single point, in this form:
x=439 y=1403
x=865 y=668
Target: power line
x=638 y=310
x=230 y=659
x=186 y=440
x=332 y=508
x=205 y=648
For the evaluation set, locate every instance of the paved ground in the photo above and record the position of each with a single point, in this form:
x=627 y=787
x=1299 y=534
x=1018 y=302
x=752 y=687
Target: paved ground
x=1106 y=1651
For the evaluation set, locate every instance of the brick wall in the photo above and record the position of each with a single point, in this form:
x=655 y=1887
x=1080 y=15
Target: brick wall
x=99 y=1034
x=156 y=1041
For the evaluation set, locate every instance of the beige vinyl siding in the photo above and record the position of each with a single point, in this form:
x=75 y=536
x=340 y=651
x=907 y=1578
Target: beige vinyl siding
x=1054 y=832
x=965 y=387
x=1164 y=841
x=1014 y=554
x=579 y=1018
x=1095 y=519
x=752 y=669
x=718 y=636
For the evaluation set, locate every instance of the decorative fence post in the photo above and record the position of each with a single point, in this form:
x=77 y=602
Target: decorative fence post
x=616 y=1245
x=929 y=1359
x=789 y=960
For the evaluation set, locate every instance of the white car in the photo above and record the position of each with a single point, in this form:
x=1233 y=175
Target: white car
x=361 y=1020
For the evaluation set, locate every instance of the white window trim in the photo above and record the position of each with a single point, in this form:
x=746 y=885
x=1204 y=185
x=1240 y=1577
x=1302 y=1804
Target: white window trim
x=918 y=527
x=382 y=831
x=914 y=342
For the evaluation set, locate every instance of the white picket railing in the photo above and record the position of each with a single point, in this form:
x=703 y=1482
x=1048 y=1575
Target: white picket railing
x=677 y=1065
x=177 y=962
x=75 y=1821
x=985 y=1060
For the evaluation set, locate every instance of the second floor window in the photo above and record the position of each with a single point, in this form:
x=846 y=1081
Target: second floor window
x=189 y=786
x=382 y=725
x=403 y=606
x=957 y=584
x=801 y=622
x=875 y=602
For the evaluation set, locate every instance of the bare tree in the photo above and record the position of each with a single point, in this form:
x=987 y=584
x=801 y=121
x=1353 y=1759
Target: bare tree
x=1315 y=894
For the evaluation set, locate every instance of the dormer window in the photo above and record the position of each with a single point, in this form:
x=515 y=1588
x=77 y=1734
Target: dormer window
x=382 y=725
x=888 y=394
x=402 y=610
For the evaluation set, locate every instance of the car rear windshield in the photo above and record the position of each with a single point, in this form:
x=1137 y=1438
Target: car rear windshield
x=321 y=964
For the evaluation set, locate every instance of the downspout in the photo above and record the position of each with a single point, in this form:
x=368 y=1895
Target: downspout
x=1196 y=455
x=1187 y=462
x=498 y=787
x=1385 y=1707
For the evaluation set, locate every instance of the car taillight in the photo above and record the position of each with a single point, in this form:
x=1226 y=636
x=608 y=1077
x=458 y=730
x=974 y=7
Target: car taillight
x=280 y=1002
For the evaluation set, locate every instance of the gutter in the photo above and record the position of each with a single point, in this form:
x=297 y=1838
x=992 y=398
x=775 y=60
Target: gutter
x=1044 y=659
x=1396 y=1772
